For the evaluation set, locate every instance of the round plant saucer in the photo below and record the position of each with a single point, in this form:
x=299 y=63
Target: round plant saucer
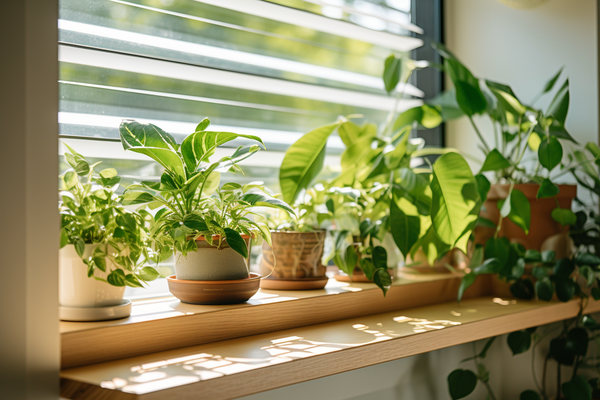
x=214 y=292
x=358 y=276
x=87 y=314
x=294 y=284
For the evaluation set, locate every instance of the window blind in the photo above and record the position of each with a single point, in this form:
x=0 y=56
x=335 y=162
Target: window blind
x=275 y=69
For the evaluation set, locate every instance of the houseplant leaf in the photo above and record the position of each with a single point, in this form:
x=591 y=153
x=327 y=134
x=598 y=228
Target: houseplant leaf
x=405 y=228
x=547 y=189
x=150 y=140
x=577 y=389
x=494 y=161
x=391 y=72
x=550 y=153
x=564 y=216
x=264 y=200
x=455 y=200
x=529 y=395
x=519 y=342
x=461 y=383
x=303 y=161
x=236 y=242
x=559 y=107
x=544 y=289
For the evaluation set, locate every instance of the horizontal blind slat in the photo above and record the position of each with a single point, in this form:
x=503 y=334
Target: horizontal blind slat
x=308 y=20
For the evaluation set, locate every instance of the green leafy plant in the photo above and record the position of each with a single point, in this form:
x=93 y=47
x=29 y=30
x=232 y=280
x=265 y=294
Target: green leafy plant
x=378 y=191
x=91 y=212
x=528 y=142
x=188 y=200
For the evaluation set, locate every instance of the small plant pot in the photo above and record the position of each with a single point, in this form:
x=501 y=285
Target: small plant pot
x=542 y=225
x=87 y=299
x=211 y=264
x=233 y=291
x=294 y=262
x=455 y=258
x=213 y=276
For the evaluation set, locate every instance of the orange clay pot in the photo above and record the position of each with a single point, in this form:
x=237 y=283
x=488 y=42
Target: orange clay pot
x=542 y=225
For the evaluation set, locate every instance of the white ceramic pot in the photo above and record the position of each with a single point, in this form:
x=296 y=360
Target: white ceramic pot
x=76 y=289
x=210 y=264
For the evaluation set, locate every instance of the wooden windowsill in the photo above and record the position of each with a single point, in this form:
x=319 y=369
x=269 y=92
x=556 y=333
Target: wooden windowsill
x=165 y=323
x=238 y=367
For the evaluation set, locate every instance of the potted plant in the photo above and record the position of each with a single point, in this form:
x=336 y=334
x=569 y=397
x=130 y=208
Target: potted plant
x=103 y=245
x=525 y=204
x=293 y=260
x=207 y=228
x=408 y=203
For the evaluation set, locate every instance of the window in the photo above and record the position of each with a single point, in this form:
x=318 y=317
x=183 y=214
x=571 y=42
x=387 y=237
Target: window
x=276 y=69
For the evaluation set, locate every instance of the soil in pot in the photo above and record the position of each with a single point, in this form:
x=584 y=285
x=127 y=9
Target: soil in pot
x=294 y=262
x=542 y=225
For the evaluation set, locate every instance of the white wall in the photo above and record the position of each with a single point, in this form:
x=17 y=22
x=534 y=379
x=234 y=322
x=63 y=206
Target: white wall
x=523 y=48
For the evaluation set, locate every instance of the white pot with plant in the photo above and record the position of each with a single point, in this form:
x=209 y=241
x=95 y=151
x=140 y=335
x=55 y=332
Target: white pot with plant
x=103 y=245
x=206 y=227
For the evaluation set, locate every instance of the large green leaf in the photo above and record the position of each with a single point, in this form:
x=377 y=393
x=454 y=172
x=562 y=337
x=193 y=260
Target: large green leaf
x=517 y=208
x=200 y=145
x=150 y=140
x=405 y=228
x=303 y=161
x=519 y=342
x=550 y=153
x=577 y=389
x=483 y=186
x=551 y=82
x=349 y=132
x=265 y=200
x=506 y=98
x=391 y=72
x=236 y=242
x=547 y=189
x=559 y=107
x=529 y=395
x=494 y=161
x=469 y=96
x=564 y=216
x=461 y=383
x=455 y=200
x=447 y=105
x=425 y=115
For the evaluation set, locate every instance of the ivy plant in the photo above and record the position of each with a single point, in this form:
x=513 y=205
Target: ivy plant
x=187 y=200
x=92 y=213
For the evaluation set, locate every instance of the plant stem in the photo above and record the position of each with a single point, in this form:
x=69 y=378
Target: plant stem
x=535 y=380
x=544 y=373
x=393 y=111
x=486 y=384
x=485 y=145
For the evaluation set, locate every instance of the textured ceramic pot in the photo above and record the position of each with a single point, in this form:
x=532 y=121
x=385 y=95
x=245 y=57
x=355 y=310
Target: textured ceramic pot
x=211 y=264
x=76 y=289
x=542 y=225
x=294 y=262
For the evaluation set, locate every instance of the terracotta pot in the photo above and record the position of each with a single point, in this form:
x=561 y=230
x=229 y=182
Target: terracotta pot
x=214 y=292
x=294 y=262
x=455 y=258
x=209 y=263
x=542 y=225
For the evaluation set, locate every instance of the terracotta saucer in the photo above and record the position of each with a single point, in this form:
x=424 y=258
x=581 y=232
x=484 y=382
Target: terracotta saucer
x=214 y=292
x=358 y=276
x=297 y=284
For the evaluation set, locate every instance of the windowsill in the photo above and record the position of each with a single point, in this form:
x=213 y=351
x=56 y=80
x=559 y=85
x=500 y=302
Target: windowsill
x=162 y=324
x=234 y=368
